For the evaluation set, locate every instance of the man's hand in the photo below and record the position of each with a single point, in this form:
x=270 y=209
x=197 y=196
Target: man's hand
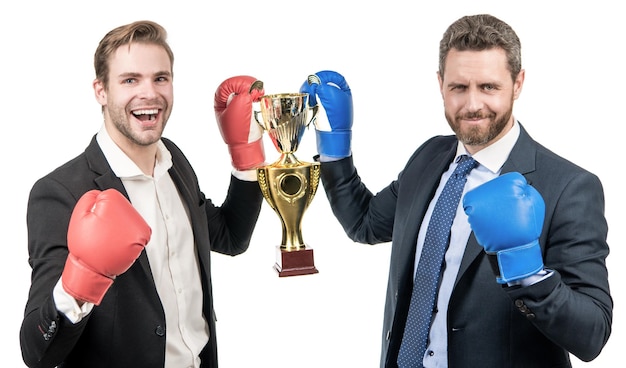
x=105 y=236
x=332 y=90
x=234 y=100
x=506 y=215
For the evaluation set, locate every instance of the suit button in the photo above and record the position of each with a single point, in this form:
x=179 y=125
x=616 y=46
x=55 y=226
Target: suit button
x=50 y=331
x=521 y=306
x=160 y=331
x=530 y=316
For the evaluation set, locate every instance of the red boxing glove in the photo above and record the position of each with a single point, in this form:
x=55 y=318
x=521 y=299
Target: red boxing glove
x=105 y=236
x=240 y=131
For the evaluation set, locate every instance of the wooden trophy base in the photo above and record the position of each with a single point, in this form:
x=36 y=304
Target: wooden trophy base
x=294 y=262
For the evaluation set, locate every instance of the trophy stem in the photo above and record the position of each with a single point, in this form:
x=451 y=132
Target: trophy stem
x=287 y=159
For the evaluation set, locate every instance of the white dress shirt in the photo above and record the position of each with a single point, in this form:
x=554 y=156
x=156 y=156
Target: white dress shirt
x=171 y=253
x=490 y=159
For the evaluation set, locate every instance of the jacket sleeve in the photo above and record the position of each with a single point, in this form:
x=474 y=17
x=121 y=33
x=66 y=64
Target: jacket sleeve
x=573 y=307
x=231 y=225
x=365 y=217
x=46 y=336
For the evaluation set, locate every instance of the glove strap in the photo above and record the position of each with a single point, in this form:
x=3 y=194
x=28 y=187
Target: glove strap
x=247 y=156
x=83 y=283
x=335 y=144
x=519 y=262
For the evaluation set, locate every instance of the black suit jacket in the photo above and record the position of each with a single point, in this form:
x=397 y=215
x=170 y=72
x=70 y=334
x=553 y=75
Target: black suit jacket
x=128 y=328
x=490 y=325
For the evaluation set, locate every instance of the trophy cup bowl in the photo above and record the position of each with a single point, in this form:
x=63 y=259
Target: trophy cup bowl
x=289 y=185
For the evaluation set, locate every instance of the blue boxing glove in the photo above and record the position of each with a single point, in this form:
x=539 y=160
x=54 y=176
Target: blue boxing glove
x=506 y=215
x=334 y=138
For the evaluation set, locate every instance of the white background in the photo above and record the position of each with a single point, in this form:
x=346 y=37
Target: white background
x=572 y=102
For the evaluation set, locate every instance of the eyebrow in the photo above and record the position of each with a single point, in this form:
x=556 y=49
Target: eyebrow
x=457 y=84
x=135 y=74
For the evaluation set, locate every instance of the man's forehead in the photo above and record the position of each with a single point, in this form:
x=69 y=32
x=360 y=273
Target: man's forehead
x=486 y=64
x=140 y=58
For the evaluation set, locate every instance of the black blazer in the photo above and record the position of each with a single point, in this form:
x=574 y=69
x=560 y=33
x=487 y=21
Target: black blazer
x=490 y=325
x=128 y=328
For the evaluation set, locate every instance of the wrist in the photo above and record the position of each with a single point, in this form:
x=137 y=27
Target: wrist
x=245 y=175
x=532 y=279
x=519 y=262
x=246 y=156
x=68 y=305
x=83 y=283
x=334 y=144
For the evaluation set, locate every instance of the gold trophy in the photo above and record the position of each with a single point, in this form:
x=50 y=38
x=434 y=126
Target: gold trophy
x=288 y=184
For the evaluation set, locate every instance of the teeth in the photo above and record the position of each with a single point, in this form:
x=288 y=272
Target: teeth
x=146 y=112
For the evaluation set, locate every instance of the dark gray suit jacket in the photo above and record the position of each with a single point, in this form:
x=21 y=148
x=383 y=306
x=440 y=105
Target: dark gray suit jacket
x=128 y=328
x=490 y=325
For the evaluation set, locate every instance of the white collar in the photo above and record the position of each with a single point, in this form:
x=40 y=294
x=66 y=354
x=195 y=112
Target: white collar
x=123 y=166
x=494 y=156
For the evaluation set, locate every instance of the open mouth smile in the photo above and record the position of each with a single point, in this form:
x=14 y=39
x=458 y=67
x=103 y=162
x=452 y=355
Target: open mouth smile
x=147 y=115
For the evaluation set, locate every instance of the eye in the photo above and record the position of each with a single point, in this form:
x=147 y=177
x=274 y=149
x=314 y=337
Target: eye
x=164 y=78
x=129 y=81
x=489 y=87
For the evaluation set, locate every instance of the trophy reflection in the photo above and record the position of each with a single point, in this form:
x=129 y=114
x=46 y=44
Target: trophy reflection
x=288 y=184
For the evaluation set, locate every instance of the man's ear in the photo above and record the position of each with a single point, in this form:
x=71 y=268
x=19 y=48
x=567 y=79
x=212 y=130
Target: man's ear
x=518 y=83
x=440 y=79
x=100 y=92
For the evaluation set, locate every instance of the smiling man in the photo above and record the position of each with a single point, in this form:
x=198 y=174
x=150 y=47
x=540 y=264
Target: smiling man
x=498 y=245
x=119 y=238
x=137 y=98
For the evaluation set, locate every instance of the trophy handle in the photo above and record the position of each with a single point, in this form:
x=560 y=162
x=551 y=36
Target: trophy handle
x=314 y=110
x=264 y=185
x=314 y=181
x=260 y=122
x=258 y=85
x=313 y=79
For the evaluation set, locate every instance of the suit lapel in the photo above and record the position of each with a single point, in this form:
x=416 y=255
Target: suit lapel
x=203 y=247
x=523 y=156
x=107 y=179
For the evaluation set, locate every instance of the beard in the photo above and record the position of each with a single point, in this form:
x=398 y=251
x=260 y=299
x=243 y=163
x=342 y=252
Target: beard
x=120 y=119
x=478 y=135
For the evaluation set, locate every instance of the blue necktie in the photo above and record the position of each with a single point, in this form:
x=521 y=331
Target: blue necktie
x=428 y=272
